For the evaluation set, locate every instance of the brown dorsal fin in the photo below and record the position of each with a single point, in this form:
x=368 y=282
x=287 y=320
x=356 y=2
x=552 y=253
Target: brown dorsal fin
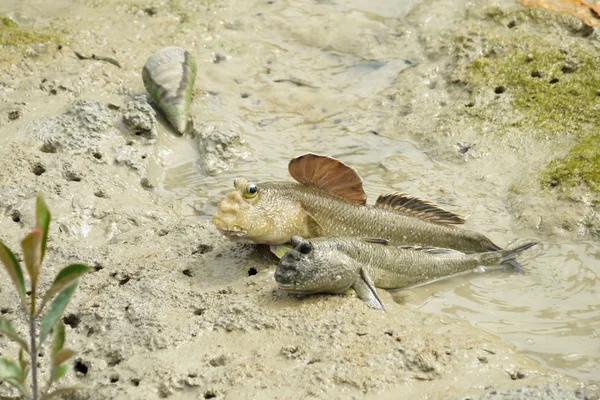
x=424 y=209
x=328 y=174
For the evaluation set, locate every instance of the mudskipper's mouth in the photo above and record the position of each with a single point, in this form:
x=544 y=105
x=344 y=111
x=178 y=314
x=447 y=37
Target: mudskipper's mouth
x=233 y=232
x=226 y=230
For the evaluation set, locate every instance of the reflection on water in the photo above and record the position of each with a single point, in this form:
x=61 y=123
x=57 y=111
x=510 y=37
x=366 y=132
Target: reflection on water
x=319 y=93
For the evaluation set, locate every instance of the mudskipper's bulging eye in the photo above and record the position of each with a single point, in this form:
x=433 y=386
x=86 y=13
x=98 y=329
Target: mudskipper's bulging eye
x=305 y=248
x=251 y=191
x=234 y=182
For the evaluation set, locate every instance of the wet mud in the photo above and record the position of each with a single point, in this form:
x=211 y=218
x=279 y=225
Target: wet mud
x=174 y=310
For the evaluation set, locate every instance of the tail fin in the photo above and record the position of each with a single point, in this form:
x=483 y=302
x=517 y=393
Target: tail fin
x=509 y=255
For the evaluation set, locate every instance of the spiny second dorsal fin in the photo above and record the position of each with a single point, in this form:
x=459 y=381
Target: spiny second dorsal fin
x=376 y=240
x=328 y=174
x=424 y=209
x=432 y=250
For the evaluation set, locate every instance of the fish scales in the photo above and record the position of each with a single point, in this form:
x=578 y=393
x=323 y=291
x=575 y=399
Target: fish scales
x=337 y=217
x=394 y=267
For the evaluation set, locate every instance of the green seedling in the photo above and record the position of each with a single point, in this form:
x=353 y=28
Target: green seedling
x=58 y=295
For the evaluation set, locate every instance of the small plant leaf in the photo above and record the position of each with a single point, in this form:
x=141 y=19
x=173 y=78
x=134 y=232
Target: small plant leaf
x=58 y=338
x=24 y=363
x=60 y=372
x=42 y=220
x=9 y=369
x=7 y=329
x=58 y=393
x=56 y=308
x=32 y=253
x=14 y=270
x=64 y=277
x=62 y=356
x=16 y=384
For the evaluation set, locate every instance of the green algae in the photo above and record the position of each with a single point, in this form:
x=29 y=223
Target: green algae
x=11 y=34
x=15 y=39
x=581 y=167
x=555 y=92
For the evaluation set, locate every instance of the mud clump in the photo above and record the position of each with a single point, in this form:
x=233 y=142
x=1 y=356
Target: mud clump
x=220 y=146
x=139 y=118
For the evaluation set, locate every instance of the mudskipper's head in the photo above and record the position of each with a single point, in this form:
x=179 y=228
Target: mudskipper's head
x=315 y=268
x=254 y=214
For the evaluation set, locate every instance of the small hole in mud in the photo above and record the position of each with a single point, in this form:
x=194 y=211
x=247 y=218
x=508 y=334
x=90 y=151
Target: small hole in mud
x=72 y=320
x=100 y=193
x=129 y=143
x=114 y=378
x=252 y=271
x=536 y=74
x=16 y=216
x=199 y=311
x=90 y=332
x=554 y=80
x=144 y=157
x=202 y=249
x=114 y=361
x=98 y=267
x=135 y=381
x=567 y=69
x=187 y=272
x=72 y=176
x=97 y=155
x=48 y=148
x=512 y=24
x=500 y=90
x=80 y=368
x=470 y=104
x=209 y=394
x=4 y=311
x=124 y=280
x=38 y=169
x=245 y=95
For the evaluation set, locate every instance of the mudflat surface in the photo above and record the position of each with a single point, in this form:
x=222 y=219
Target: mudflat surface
x=175 y=310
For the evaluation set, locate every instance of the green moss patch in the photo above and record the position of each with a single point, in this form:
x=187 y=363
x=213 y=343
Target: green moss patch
x=554 y=89
x=555 y=92
x=581 y=167
x=11 y=34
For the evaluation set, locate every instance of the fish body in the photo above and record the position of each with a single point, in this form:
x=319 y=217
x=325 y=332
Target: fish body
x=328 y=215
x=334 y=265
x=328 y=200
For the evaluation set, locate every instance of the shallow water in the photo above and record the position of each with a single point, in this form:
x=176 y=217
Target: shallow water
x=311 y=88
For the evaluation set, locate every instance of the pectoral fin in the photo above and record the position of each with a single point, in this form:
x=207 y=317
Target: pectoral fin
x=365 y=290
x=280 y=250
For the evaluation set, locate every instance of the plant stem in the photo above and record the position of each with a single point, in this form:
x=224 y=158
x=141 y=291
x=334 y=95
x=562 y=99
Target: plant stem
x=34 y=382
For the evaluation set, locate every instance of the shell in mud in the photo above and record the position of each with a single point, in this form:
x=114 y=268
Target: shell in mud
x=169 y=76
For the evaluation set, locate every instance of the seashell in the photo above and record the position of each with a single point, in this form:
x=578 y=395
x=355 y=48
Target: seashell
x=169 y=76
